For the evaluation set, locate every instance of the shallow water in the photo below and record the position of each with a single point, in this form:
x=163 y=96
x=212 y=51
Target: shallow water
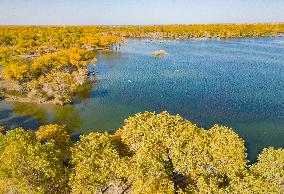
x=237 y=82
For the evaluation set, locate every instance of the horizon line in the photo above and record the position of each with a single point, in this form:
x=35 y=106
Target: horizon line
x=143 y=25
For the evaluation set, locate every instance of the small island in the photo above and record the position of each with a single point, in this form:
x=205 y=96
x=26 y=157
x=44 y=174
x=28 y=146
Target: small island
x=159 y=53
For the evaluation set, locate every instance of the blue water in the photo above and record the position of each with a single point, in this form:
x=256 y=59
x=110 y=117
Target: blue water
x=236 y=82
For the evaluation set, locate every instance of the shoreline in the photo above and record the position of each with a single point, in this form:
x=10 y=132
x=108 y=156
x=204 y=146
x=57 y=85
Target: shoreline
x=22 y=97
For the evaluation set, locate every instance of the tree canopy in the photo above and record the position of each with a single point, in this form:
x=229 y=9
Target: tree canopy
x=151 y=153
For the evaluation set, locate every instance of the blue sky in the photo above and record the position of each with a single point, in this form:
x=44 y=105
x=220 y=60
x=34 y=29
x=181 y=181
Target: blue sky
x=139 y=12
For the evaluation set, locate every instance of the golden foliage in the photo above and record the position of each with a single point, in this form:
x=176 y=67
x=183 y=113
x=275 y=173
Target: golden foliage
x=200 y=31
x=173 y=155
x=96 y=161
x=29 y=166
x=30 y=56
x=16 y=72
x=52 y=76
x=56 y=136
x=152 y=153
x=270 y=166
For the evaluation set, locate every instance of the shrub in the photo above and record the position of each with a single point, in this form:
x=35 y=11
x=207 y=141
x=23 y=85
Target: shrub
x=16 y=72
x=159 y=53
x=270 y=166
x=97 y=162
x=30 y=166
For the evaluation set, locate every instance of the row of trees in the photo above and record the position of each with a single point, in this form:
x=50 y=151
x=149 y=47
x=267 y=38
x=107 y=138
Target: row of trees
x=45 y=39
x=200 y=31
x=151 y=153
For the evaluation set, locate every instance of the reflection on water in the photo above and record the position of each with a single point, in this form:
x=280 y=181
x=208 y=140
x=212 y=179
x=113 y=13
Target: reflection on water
x=31 y=116
x=66 y=115
x=237 y=82
x=84 y=92
x=38 y=112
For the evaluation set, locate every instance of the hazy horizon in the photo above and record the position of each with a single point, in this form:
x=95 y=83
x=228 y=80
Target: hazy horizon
x=144 y=12
x=118 y=25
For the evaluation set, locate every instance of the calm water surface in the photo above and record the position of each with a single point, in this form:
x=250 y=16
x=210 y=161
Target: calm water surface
x=238 y=83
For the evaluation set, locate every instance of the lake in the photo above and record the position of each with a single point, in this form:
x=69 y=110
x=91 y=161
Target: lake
x=238 y=83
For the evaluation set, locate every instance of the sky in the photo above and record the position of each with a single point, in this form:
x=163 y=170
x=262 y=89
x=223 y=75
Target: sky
x=138 y=12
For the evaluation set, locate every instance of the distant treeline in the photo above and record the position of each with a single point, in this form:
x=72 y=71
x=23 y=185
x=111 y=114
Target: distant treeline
x=9 y=33
x=201 y=31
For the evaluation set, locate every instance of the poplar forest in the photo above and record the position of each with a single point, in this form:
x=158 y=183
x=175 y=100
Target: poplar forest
x=151 y=152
